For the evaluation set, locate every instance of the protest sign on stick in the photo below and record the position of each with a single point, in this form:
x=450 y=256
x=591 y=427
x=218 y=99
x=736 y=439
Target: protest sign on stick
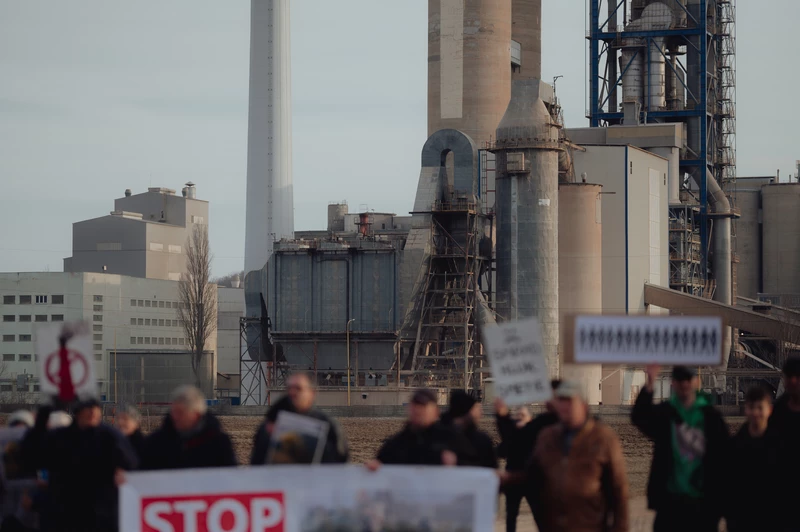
x=66 y=364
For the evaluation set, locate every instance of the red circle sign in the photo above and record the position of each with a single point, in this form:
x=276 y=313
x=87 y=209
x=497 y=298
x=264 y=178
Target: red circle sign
x=75 y=359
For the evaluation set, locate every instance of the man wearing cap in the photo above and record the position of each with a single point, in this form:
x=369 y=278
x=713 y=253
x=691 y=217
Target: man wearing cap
x=783 y=434
x=579 y=469
x=686 y=486
x=463 y=415
x=424 y=440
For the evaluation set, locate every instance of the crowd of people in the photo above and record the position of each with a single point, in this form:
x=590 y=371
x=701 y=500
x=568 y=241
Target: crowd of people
x=567 y=465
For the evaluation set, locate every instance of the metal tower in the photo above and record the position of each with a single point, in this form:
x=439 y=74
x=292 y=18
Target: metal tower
x=670 y=61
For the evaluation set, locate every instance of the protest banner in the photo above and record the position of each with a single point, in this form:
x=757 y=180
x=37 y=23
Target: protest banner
x=310 y=499
x=667 y=340
x=297 y=439
x=66 y=364
x=516 y=357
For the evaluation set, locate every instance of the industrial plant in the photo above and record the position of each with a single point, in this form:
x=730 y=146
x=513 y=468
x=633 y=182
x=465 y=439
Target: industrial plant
x=517 y=216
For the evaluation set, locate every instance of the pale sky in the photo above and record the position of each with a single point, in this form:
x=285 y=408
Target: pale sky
x=99 y=96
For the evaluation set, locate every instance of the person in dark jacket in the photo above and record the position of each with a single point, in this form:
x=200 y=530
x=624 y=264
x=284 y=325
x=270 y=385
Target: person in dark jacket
x=783 y=433
x=463 y=415
x=687 y=477
x=750 y=489
x=424 y=440
x=190 y=437
x=300 y=398
x=82 y=464
x=518 y=438
x=129 y=421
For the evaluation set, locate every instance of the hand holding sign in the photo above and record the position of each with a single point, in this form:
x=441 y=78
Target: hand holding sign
x=516 y=356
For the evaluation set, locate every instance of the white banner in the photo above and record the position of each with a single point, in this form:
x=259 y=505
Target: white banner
x=76 y=380
x=669 y=340
x=310 y=499
x=516 y=356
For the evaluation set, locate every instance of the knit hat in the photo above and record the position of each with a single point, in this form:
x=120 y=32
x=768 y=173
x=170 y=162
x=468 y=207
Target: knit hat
x=683 y=373
x=21 y=418
x=460 y=403
x=791 y=368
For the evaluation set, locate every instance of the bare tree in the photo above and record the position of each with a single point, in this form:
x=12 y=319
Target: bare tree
x=198 y=303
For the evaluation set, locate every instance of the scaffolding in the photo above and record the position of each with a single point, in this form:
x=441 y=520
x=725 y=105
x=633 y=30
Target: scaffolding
x=447 y=352
x=261 y=369
x=685 y=274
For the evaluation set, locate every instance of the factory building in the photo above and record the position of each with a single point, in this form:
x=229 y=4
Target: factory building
x=139 y=350
x=144 y=236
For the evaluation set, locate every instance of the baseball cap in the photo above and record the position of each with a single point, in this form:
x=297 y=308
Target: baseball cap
x=791 y=368
x=683 y=373
x=569 y=390
x=424 y=397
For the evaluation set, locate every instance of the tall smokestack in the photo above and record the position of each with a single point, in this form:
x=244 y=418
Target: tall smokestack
x=527 y=151
x=526 y=29
x=270 y=201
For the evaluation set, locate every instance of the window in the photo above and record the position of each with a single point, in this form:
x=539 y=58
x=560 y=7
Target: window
x=25 y=318
x=41 y=317
x=24 y=337
x=160 y=323
x=147 y=340
x=40 y=300
x=98 y=308
x=174 y=249
x=147 y=322
x=141 y=303
x=24 y=358
x=147 y=303
x=154 y=341
x=133 y=302
x=8 y=357
x=98 y=337
x=155 y=246
x=58 y=300
x=6 y=388
x=133 y=340
x=168 y=341
x=160 y=304
x=160 y=341
x=98 y=357
x=98 y=347
x=8 y=337
x=97 y=317
x=109 y=246
x=140 y=340
x=97 y=328
x=24 y=300
x=197 y=219
x=10 y=317
x=9 y=300
x=133 y=321
x=35 y=387
x=98 y=299
x=140 y=321
x=180 y=341
x=57 y=317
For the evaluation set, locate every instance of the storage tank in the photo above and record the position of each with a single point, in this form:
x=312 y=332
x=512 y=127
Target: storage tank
x=336 y=212
x=580 y=279
x=748 y=235
x=781 y=238
x=469 y=66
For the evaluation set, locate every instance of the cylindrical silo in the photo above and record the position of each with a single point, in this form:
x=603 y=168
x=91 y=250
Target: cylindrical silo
x=526 y=29
x=527 y=215
x=336 y=212
x=469 y=66
x=580 y=279
x=748 y=242
x=781 y=238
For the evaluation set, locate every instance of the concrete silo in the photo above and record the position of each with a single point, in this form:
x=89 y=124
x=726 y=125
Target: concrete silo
x=580 y=269
x=781 y=238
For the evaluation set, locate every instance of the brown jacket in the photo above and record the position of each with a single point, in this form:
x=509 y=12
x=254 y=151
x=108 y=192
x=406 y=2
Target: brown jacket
x=585 y=490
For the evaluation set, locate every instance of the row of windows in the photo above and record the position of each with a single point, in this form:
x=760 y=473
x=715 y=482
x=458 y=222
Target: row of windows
x=22 y=337
x=147 y=322
x=138 y=340
x=26 y=300
x=24 y=357
x=10 y=388
x=24 y=318
x=153 y=304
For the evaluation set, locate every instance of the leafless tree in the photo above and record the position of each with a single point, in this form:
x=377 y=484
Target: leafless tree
x=198 y=302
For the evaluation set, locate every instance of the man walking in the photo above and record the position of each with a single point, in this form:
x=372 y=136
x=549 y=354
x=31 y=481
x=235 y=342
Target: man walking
x=783 y=434
x=687 y=476
x=464 y=415
x=581 y=470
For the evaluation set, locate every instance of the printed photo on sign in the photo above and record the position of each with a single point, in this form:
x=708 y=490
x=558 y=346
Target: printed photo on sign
x=672 y=340
x=392 y=510
x=516 y=357
x=297 y=439
x=66 y=362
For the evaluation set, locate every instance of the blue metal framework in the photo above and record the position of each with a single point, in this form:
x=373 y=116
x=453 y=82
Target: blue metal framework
x=703 y=34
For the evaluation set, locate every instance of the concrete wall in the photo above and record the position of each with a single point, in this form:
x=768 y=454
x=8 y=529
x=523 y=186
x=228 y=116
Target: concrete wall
x=781 y=237
x=129 y=233
x=165 y=251
x=230 y=307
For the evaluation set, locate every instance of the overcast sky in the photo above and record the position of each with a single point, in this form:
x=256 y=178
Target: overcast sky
x=99 y=96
